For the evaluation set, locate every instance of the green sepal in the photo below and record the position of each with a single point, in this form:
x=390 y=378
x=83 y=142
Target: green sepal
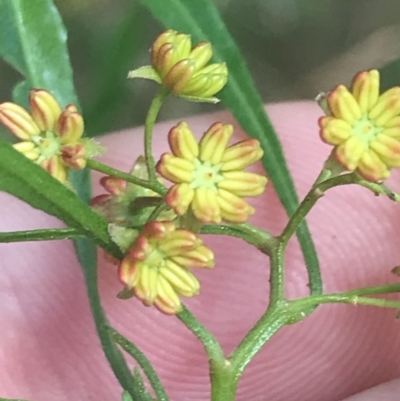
x=145 y=72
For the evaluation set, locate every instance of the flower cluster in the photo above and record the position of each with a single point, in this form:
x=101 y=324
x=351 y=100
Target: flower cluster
x=155 y=267
x=208 y=176
x=49 y=136
x=183 y=69
x=364 y=126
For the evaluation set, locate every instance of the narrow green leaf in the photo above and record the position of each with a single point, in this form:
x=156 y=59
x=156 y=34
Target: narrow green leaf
x=200 y=18
x=34 y=41
x=115 y=59
x=29 y=182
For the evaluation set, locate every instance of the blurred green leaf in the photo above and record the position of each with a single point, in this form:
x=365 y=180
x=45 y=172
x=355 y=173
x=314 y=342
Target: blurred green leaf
x=114 y=62
x=33 y=40
x=201 y=19
x=390 y=75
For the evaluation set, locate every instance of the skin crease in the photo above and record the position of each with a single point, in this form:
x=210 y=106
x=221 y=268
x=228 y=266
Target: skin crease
x=49 y=350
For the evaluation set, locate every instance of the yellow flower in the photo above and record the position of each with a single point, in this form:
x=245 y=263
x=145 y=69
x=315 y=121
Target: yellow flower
x=184 y=69
x=155 y=267
x=49 y=136
x=208 y=176
x=364 y=126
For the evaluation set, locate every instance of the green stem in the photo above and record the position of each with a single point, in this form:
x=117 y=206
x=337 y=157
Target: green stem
x=47 y=234
x=210 y=343
x=273 y=319
x=260 y=239
x=374 y=290
x=344 y=298
x=143 y=362
x=87 y=258
x=223 y=385
x=318 y=190
x=157 y=211
x=277 y=276
x=278 y=313
x=151 y=118
x=11 y=399
x=377 y=188
x=310 y=200
x=155 y=185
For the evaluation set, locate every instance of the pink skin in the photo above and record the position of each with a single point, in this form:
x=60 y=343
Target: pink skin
x=49 y=350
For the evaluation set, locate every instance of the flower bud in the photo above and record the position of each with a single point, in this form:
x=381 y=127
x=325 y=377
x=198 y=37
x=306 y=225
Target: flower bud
x=28 y=149
x=168 y=49
x=74 y=156
x=70 y=125
x=45 y=109
x=18 y=121
x=183 y=70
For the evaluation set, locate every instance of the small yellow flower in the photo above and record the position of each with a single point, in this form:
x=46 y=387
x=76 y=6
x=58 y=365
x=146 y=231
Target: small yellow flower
x=208 y=176
x=50 y=136
x=155 y=267
x=364 y=126
x=184 y=69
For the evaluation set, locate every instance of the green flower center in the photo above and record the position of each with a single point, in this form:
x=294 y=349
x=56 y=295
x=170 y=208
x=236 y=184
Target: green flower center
x=365 y=130
x=48 y=144
x=156 y=259
x=206 y=175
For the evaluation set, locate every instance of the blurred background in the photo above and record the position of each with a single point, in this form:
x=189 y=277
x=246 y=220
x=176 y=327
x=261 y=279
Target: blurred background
x=294 y=49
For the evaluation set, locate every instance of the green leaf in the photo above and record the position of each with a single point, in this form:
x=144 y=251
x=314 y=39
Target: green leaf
x=33 y=40
x=200 y=18
x=390 y=75
x=115 y=58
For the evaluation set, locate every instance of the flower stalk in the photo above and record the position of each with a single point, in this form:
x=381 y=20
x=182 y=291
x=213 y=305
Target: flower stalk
x=151 y=118
x=49 y=234
x=154 y=185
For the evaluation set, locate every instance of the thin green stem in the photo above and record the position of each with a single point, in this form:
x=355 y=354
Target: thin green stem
x=319 y=189
x=377 y=188
x=11 y=399
x=261 y=239
x=223 y=385
x=47 y=234
x=155 y=185
x=344 y=298
x=151 y=118
x=210 y=343
x=143 y=362
x=310 y=200
x=87 y=257
x=157 y=211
